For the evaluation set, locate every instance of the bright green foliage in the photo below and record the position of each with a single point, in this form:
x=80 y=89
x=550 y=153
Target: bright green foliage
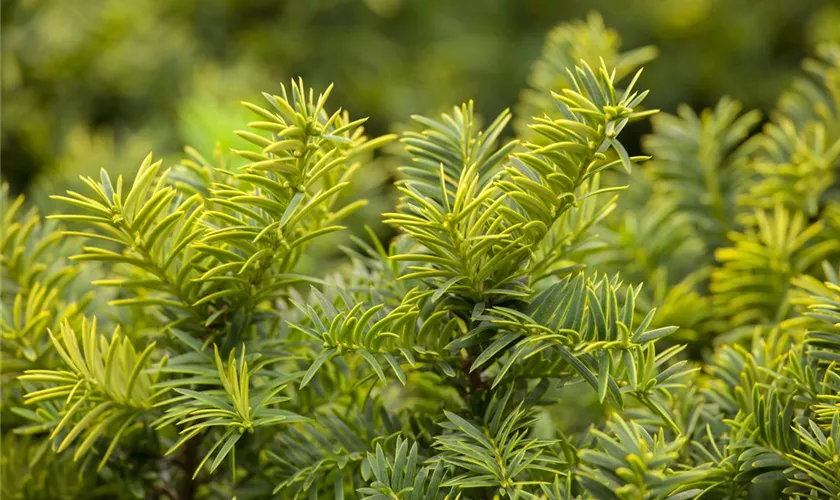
x=232 y=407
x=753 y=280
x=439 y=365
x=105 y=386
x=700 y=164
x=479 y=222
x=401 y=477
x=798 y=151
x=565 y=46
x=630 y=463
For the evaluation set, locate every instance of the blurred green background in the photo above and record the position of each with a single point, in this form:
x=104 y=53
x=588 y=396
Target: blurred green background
x=88 y=84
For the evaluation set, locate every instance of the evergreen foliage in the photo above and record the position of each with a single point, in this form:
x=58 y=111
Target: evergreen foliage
x=158 y=342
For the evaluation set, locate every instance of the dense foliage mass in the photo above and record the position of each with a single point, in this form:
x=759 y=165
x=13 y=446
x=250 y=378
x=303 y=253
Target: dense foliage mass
x=158 y=340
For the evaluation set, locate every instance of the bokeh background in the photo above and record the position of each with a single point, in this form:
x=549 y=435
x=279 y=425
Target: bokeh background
x=88 y=84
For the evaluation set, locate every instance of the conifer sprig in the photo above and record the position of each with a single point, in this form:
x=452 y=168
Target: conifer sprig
x=501 y=346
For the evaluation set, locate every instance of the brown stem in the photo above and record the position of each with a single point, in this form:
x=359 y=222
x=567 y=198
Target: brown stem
x=475 y=381
x=189 y=462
